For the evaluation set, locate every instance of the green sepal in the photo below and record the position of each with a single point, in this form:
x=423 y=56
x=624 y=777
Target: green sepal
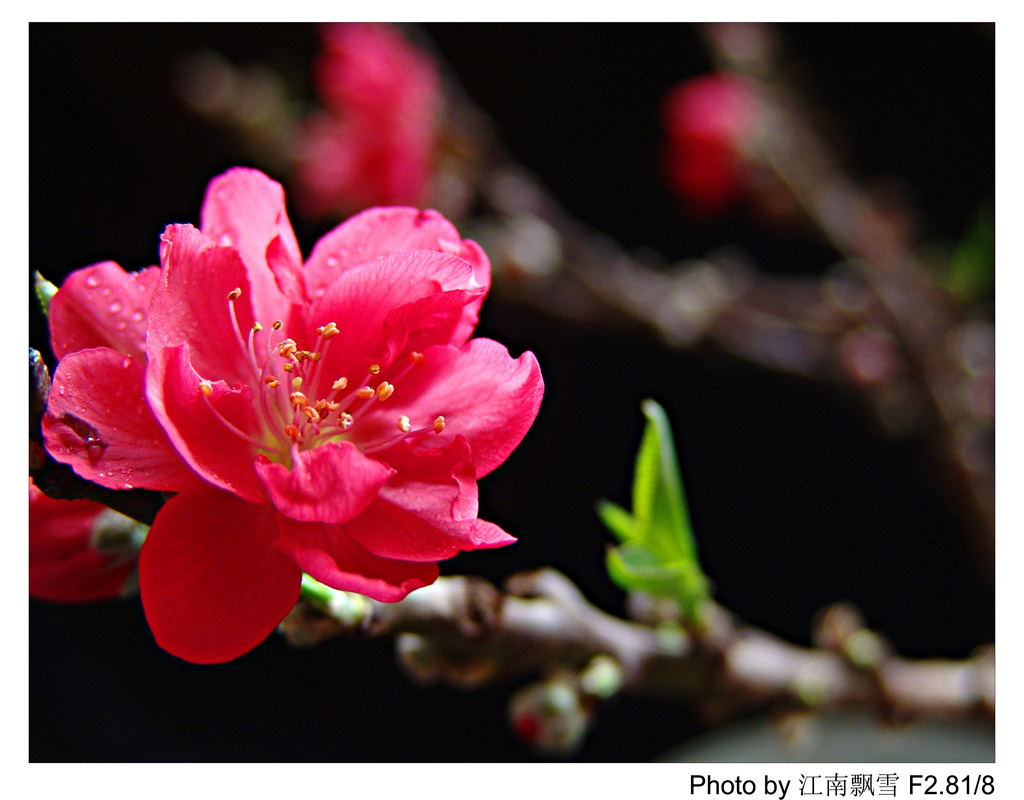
x=44 y=292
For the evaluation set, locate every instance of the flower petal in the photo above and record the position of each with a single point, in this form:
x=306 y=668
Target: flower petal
x=379 y=232
x=330 y=483
x=212 y=585
x=246 y=209
x=326 y=553
x=389 y=531
x=427 y=511
x=378 y=305
x=191 y=305
x=102 y=306
x=97 y=421
x=211 y=432
x=481 y=391
x=436 y=484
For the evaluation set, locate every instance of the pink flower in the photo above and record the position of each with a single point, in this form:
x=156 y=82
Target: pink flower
x=705 y=120
x=65 y=563
x=374 y=143
x=330 y=417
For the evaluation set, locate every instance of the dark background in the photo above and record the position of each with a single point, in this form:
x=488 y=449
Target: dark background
x=798 y=500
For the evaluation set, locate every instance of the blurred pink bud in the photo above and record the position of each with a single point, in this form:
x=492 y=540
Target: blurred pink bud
x=373 y=143
x=70 y=554
x=706 y=120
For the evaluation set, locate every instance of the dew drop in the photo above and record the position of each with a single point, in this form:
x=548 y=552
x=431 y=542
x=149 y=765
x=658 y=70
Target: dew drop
x=94 y=449
x=137 y=316
x=62 y=390
x=226 y=238
x=332 y=261
x=92 y=281
x=115 y=307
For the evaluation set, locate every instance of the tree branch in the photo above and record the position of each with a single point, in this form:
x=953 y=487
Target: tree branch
x=466 y=632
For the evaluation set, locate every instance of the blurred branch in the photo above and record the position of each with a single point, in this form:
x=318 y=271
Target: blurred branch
x=466 y=632
x=879 y=322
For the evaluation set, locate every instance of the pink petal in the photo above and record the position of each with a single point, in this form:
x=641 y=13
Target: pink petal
x=427 y=511
x=98 y=422
x=102 y=306
x=246 y=209
x=212 y=585
x=326 y=553
x=61 y=567
x=330 y=483
x=207 y=430
x=436 y=484
x=382 y=231
x=377 y=305
x=389 y=531
x=482 y=392
x=191 y=305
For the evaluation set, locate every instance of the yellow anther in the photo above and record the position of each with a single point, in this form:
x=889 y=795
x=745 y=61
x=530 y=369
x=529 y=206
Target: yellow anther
x=310 y=412
x=320 y=405
x=364 y=392
x=331 y=406
x=273 y=383
x=385 y=390
x=320 y=331
x=344 y=420
x=288 y=367
x=297 y=399
x=293 y=433
x=404 y=425
x=256 y=327
x=417 y=359
x=278 y=325
x=339 y=384
x=206 y=388
x=316 y=356
x=234 y=294
x=296 y=382
x=373 y=369
x=438 y=424
x=330 y=330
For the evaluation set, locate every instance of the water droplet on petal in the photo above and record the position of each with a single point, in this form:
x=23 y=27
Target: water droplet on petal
x=226 y=238
x=332 y=261
x=94 y=449
x=115 y=307
x=92 y=281
x=137 y=316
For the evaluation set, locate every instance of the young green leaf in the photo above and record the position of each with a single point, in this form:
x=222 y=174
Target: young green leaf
x=658 y=554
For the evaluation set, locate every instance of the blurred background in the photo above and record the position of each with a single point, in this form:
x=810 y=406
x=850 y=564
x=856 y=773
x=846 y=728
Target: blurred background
x=799 y=496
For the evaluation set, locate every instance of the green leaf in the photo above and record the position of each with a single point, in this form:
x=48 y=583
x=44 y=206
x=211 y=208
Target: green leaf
x=619 y=521
x=658 y=554
x=44 y=292
x=658 y=502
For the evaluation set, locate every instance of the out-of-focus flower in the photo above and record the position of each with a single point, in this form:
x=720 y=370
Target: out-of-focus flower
x=706 y=120
x=330 y=417
x=373 y=143
x=78 y=550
